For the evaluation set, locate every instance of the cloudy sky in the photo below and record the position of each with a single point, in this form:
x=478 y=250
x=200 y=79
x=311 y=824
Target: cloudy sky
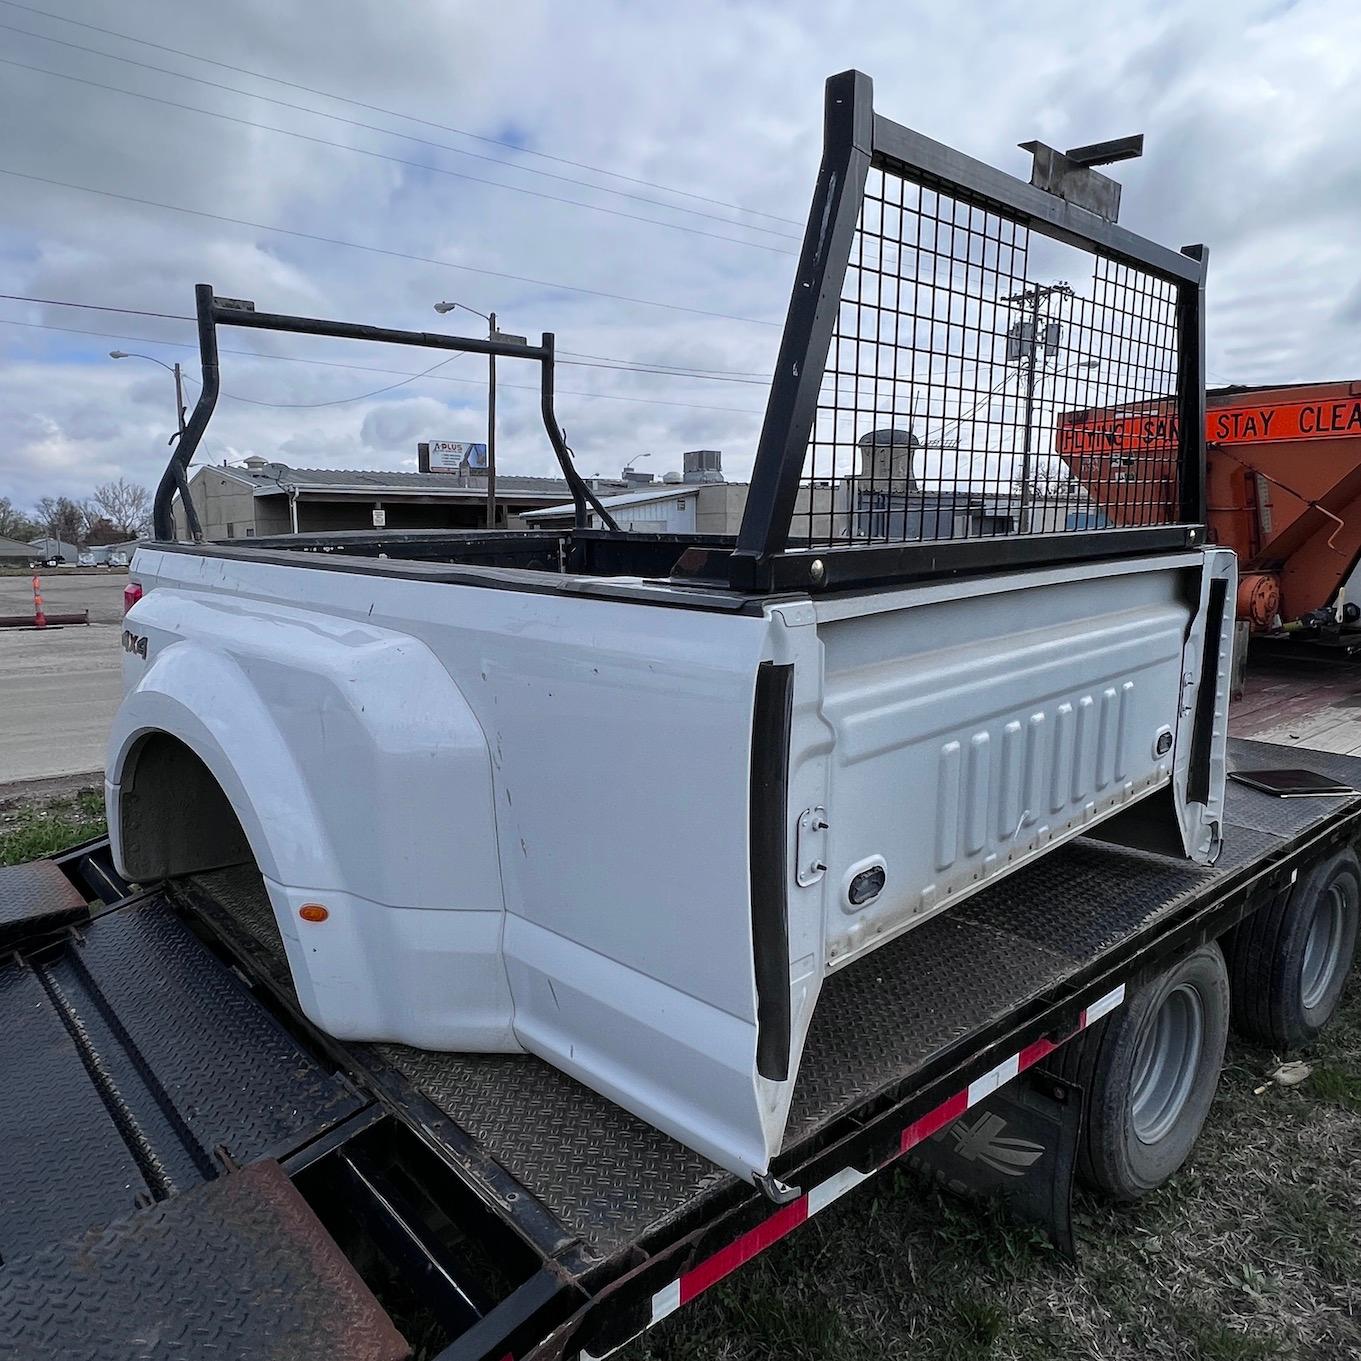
x=363 y=160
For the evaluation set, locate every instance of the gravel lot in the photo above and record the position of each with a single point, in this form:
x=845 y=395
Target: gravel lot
x=59 y=687
x=99 y=592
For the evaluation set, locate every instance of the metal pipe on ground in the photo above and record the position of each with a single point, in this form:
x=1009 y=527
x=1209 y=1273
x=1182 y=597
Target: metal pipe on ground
x=25 y=621
x=40 y=619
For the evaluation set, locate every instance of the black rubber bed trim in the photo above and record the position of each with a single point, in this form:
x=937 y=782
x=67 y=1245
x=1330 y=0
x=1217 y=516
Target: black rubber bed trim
x=769 y=923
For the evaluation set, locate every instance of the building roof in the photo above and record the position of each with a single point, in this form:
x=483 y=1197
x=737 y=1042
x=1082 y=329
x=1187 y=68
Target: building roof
x=275 y=478
x=12 y=548
x=1236 y=389
x=50 y=543
x=665 y=491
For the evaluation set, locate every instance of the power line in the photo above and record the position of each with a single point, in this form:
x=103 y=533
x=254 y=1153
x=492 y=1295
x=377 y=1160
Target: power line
x=658 y=366
x=661 y=373
x=367 y=368
x=94 y=307
x=335 y=401
x=986 y=398
x=573 y=357
x=402 y=373
x=381 y=250
x=384 y=156
x=391 y=132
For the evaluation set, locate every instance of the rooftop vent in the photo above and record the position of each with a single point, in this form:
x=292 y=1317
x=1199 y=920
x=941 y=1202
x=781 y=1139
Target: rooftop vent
x=886 y=456
x=703 y=465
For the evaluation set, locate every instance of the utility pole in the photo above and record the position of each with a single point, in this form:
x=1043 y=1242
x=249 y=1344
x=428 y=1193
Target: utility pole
x=1023 y=345
x=179 y=396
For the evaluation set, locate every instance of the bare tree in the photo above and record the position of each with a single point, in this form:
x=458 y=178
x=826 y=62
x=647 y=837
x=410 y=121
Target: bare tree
x=125 y=505
x=60 y=517
x=14 y=524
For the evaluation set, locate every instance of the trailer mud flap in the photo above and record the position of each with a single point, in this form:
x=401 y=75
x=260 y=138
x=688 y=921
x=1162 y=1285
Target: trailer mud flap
x=1016 y=1148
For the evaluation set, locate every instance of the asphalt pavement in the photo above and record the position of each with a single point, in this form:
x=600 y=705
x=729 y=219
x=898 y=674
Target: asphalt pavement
x=59 y=687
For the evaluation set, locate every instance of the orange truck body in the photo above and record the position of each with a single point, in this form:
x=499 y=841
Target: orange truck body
x=1283 y=485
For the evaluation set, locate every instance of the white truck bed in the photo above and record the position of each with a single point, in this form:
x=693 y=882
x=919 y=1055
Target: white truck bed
x=541 y=821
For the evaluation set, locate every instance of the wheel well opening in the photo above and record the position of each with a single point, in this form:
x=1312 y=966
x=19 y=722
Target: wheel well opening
x=174 y=816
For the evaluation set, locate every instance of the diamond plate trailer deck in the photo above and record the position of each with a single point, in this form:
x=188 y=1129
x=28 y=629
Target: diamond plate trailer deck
x=150 y=1051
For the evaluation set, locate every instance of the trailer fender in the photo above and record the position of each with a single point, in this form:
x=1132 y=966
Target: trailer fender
x=362 y=782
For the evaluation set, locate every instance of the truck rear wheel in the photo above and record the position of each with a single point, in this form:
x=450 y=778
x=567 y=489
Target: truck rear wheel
x=1149 y=1073
x=1289 y=961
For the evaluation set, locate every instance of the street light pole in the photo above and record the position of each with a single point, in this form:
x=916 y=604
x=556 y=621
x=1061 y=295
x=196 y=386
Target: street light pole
x=490 y=318
x=491 y=426
x=190 y=518
x=169 y=368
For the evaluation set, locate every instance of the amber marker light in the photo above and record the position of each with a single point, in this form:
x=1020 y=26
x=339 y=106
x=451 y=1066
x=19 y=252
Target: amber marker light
x=313 y=912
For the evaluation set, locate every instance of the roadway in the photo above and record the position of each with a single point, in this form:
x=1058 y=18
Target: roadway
x=59 y=687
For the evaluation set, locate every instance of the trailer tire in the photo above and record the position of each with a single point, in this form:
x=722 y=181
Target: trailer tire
x=1149 y=1072
x=1289 y=961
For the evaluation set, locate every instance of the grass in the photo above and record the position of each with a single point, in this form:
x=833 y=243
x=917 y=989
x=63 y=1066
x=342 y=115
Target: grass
x=33 y=828
x=1252 y=1252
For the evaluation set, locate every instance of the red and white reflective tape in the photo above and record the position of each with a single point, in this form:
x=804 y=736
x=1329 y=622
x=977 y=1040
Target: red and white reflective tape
x=789 y=1217
x=743 y=1249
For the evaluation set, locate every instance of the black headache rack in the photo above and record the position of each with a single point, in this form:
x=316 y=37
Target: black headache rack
x=948 y=327
x=943 y=316
x=173 y=1112
x=212 y=312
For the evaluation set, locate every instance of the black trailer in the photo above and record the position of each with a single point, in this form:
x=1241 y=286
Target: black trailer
x=188 y=1161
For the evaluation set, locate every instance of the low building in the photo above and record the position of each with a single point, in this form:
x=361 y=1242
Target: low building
x=695 y=501
x=263 y=498
x=664 y=508
x=16 y=554
x=50 y=548
x=857 y=508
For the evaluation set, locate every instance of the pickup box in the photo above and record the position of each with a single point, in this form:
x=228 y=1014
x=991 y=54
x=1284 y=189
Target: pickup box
x=627 y=803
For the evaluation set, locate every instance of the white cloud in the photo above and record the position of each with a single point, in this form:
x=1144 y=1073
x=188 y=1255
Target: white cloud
x=1249 y=111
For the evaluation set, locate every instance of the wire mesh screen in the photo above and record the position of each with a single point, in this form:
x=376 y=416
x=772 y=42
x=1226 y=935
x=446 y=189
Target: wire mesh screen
x=985 y=381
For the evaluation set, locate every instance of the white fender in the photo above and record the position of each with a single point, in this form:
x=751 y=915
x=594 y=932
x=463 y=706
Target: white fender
x=362 y=781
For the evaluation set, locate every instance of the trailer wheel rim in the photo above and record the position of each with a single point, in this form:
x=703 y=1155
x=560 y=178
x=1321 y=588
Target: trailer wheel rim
x=1323 y=947
x=1166 y=1063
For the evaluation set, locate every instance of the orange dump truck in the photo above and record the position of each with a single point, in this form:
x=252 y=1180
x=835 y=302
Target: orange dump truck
x=1283 y=472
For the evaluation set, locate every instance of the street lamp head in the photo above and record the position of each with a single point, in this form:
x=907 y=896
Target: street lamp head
x=118 y=354
x=443 y=307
